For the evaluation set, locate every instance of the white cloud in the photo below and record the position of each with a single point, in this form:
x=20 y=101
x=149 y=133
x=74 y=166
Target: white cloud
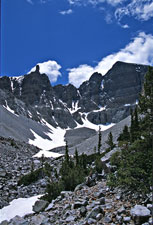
x=140 y=9
x=66 y=12
x=80 y=74
x=125 y=26
x=50 y=68
x=95 y=2
x=139 y=50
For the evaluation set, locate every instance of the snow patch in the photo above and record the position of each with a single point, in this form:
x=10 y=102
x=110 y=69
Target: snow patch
x=57 y=140
x=100 y=110
x=9 y=109
x=127 y=104
x=102 y=84
x=18 y=207
x=29 y=113
x=88 y=124
x=75 y=107
x=19 y=79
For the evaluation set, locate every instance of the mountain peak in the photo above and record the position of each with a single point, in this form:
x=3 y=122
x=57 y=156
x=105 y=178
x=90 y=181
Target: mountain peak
x=97 y=77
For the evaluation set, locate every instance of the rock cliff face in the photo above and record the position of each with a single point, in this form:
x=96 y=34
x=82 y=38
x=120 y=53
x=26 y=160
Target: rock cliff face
x=101 y=99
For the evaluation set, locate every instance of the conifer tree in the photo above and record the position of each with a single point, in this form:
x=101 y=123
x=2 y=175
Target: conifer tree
x=67 y=158
x=125 y=135
x=76 y=157
x=146 y=101
x=110 y=141
x=99 y=140
x=42 y=160
x=134 y=130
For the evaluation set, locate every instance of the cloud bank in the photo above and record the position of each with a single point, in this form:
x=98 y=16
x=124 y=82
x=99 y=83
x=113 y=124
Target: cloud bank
x=50 y=68
x=139 y=50
x=139 y=9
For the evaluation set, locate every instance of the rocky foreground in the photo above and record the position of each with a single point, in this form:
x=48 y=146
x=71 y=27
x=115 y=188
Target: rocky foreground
x=94 y=203
x=16 y=160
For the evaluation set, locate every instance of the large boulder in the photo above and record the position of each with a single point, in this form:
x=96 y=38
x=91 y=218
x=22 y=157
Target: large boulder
x=140 y=214
x=2 y=172
x=40 y=205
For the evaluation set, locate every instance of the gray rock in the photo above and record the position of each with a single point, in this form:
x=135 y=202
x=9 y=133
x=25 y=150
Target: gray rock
x=40 y=205
x=77 y=205
x=99 y=194
x=70 y=219
x=150 y=207
x=91 y=221
x=98 y=217
x=121 y=210
x=127 y=219
x=95 y=211
x=102 y=201
x=38 y=219
x=79 y=187
x=50 y=206
x=5 y=222
x=65 y=193
x=83 y=211
x=17 y=220
x=107 y=219
x=2 y=172
x=140 y=214
x=119 y=218
x=150 y=220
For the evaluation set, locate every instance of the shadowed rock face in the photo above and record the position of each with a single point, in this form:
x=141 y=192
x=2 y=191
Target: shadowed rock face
x=106 y=98
x=123 y=83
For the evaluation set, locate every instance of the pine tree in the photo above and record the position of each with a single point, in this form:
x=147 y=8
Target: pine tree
x=76 y=157
x=110 y=141
x=134 y=129
x=67 y=158
x=99 y=140
x=125 y=135
x=146 y=101
x=42 y=160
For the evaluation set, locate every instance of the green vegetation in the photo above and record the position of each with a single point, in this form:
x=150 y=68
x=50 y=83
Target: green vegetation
x=134 y=161
x=73 y=172
x=110 y=142
x=31 y=177
x=35 y=175
x=125 y=135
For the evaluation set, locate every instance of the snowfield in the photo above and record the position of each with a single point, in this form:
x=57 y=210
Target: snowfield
x=18 y=207
x=56 y=136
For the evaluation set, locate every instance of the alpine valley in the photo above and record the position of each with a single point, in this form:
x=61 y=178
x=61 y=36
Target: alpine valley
x=50 y=132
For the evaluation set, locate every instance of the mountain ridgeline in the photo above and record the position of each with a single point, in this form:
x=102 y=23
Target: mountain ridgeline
x=101 y=99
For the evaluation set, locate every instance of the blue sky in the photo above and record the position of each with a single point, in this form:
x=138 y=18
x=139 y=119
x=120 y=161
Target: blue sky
x=73 y=38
